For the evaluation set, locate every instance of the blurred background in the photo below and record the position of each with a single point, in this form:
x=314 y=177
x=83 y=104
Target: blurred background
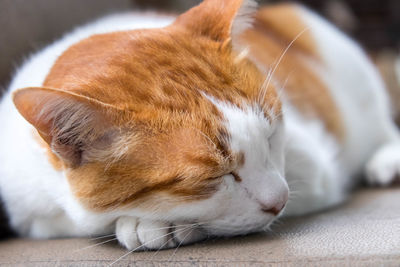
x=28 y=25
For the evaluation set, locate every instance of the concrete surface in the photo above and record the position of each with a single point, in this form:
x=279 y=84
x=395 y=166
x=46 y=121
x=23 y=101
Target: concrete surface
x=363 y=232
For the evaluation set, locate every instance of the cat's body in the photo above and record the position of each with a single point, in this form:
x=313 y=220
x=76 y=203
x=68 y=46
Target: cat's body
x=335 y=122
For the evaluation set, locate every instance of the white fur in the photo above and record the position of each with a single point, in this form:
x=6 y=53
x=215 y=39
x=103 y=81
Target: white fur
x=357 y=90
x=313 y=172
x=359 y=93
x=243 y=19
x=261 y=143
x=263 y=185
x=297 y=152
x=384 y=165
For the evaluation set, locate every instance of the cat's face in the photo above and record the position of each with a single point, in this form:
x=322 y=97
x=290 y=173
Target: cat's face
x=173 y=124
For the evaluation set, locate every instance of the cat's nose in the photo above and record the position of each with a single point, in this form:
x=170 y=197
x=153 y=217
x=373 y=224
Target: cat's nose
x=275 y=207
x=274 y=210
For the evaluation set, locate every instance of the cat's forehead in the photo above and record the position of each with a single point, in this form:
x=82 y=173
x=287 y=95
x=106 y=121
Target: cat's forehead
x=159 y=67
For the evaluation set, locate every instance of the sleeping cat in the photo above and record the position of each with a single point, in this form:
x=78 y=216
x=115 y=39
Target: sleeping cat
x=164 y=131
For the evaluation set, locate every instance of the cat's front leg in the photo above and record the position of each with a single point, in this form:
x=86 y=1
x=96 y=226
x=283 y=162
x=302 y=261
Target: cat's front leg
x=135 y=234
x=140 y=234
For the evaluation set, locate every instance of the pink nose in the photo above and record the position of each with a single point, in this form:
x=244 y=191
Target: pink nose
x=276 y=206
x=274 y=210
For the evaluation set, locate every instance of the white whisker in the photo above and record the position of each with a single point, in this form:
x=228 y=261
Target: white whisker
x=158 y=250
x=100 y=237
x=143 y=245
x=272 y=71
x=95 y=245
x=263 y=88
x=180 y=243
x=161 y=247
x=279 y=96
x=284 y=53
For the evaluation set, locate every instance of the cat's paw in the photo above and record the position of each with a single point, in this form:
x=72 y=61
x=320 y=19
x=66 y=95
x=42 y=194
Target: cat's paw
x=136 y=234
x=384 y=167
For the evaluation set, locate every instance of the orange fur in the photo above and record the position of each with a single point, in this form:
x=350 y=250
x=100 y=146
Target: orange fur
x=284 y=23
x=146 y=127
x=146 y=85
x=275 y=27
x=137 y=120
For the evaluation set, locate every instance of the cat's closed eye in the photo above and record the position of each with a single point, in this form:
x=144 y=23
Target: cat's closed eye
x=236 y=176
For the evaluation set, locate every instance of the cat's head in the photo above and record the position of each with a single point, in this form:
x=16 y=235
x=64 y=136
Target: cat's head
x=174 y=124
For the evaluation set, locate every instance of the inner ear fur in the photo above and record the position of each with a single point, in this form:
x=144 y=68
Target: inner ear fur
x=69 y=123
x=220 y=20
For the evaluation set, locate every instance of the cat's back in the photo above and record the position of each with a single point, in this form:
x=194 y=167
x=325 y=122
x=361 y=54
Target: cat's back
x=324 y=75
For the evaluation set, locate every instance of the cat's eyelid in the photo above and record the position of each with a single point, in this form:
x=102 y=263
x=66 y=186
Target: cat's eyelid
x=236 y=176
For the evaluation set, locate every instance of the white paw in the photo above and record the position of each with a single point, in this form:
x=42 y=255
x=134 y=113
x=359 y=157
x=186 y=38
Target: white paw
x=155 y=235
x=136 y=234
x=384 y=167
x=125 y=230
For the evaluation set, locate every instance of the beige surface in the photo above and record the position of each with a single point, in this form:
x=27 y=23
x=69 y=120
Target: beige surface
x=363 y=232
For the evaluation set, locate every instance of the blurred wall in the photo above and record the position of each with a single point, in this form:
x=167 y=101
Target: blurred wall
x=376 y=23
x=28 y=25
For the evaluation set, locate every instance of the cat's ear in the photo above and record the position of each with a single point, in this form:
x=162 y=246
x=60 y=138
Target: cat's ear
x=68 y=122
x=220 y=20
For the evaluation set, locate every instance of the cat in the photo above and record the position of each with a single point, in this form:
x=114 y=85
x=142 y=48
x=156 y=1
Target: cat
x=164 y=131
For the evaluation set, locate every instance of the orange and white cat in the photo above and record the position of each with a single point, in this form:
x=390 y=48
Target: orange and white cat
x=165 y=131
